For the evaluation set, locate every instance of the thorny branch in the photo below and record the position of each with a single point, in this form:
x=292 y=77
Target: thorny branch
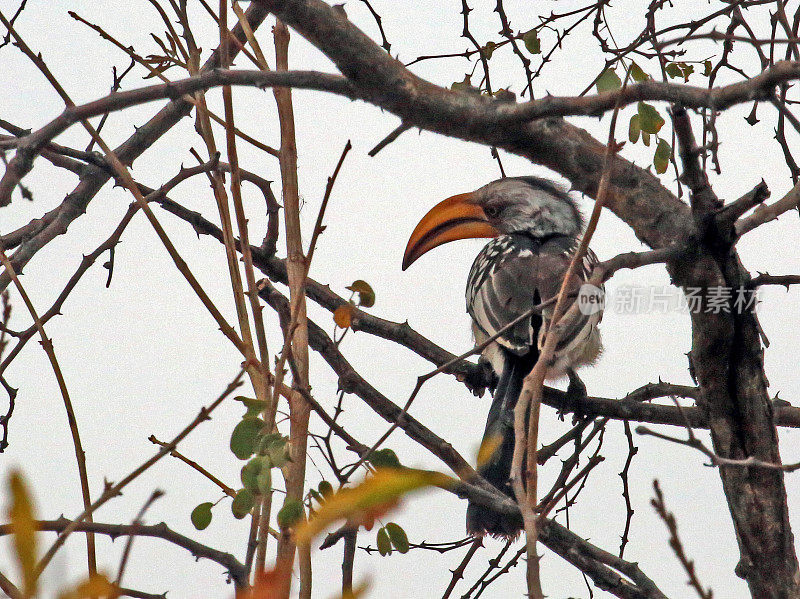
x=525 y=128
x=675 y=541
x=114 y=490
x=159 y=531
x=575 y=550
x=632 y=407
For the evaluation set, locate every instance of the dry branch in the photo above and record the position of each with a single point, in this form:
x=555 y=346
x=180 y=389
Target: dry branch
x=159 y=531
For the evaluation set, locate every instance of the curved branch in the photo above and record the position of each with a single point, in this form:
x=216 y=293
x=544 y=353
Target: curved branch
x=481 y=112
x=94 y=178
x=29 y=146
x=592 y=560
x=726 y=353
x=630 y=407
x=159 y=531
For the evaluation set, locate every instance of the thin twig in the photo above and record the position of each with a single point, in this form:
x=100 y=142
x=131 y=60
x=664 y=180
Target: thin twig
x=458 y=572
x=159 y=531
x=135 y=525
x=675 y=542
x=115 y=489
x=80 y=455
x=717 y=460
x=632 y=451
x=192 y=464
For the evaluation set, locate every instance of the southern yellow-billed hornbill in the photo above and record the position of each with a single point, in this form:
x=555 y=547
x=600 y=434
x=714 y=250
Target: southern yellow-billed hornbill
x=535 y=226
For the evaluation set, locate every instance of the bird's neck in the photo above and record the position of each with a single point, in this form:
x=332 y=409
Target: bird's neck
x=539 y=238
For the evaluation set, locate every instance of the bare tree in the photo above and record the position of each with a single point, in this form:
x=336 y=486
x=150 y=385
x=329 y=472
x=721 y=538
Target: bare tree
x=666 y=81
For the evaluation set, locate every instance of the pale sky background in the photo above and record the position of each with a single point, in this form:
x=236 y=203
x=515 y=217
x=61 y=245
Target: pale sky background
x=141 y=357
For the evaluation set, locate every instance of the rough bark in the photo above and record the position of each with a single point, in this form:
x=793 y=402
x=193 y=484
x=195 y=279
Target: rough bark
x=726 y=351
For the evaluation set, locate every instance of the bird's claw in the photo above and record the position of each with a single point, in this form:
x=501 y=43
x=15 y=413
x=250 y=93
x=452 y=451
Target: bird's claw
x=481 y=378
x=576 y=397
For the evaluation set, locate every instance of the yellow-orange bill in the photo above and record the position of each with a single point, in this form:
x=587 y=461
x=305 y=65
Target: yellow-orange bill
x=458 y=217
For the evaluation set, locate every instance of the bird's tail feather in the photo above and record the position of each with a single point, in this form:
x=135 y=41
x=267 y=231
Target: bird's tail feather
x=499 y=433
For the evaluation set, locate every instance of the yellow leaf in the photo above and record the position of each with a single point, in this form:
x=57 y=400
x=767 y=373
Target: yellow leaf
x=96 y=585
x=356 y=592
x=343 y=315
x=488 y=447
x=386 y=486
x=23 y=527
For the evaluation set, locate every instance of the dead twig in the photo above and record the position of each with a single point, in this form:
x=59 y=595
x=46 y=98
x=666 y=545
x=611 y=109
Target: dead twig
x=675 y=542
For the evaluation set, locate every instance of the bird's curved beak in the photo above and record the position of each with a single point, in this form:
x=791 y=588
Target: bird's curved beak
x=455 y=218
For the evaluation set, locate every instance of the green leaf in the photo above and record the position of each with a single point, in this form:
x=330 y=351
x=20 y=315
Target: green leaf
x=268 y=440
x=532 y=42
x=249 y=473
x=366 y=296
x=661 y=157
x=325 y=488
x=290 y=513
x=398 y=536
x=201 y=515
x=264 y=481
x=244 y=437
x=707 y=68
x=254 y=406
x=638 y=74
x=646 y=138
x=649 y=119
x=384 y=543
x=384 y=458
x=488 y=50
x=634 y=129
x=673 y=70
x=242 y=503
x=608 y=81
x=682 y=69
x=277 y=450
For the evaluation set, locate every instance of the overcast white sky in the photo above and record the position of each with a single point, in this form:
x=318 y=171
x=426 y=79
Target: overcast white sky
x=141 y=357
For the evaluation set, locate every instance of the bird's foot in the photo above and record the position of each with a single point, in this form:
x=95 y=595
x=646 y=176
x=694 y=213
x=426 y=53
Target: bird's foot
x=576 y=396
x=481 y=378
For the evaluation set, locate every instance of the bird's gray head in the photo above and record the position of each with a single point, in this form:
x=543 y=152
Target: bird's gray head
x=536 y=207
x=529 y=205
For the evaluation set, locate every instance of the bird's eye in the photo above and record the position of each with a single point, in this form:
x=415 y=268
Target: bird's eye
x=492 y=211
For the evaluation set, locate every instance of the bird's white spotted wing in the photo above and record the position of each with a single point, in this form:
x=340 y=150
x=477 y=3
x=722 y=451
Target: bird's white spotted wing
x=513 y=274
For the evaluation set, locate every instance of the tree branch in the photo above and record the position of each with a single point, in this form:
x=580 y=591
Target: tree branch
x=159 y=531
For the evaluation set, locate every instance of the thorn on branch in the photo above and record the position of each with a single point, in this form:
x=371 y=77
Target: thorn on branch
x=675 y=543
x=727 y=216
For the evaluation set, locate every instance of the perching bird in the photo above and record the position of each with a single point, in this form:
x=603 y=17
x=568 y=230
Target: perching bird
x=535 y=228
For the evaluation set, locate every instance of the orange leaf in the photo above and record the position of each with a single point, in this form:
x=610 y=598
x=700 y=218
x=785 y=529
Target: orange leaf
x=269 y=584
x=367 y=519
x=370 y=499
x=343 y=315
x=96 y=585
